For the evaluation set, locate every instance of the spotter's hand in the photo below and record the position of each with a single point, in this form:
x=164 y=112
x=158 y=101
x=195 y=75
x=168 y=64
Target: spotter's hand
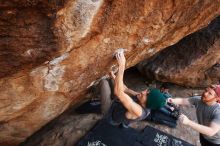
x=170 y=100
x=184 y=119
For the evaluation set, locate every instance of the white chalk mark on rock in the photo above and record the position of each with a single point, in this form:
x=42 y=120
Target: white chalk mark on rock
x=146 y=40
x=53 y=78
x=59 y=59
x=106 y=40
x=151 y=50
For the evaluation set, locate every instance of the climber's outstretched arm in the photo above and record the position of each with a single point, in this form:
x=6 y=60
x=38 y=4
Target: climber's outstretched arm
x=125 y=99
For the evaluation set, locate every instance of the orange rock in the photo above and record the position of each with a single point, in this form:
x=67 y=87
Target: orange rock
x=51 y=52
x=194 y=61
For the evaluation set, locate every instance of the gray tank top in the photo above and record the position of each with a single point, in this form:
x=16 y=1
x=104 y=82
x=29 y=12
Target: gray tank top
x=145 y=113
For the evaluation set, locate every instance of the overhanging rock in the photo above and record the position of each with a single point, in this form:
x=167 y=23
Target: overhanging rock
x=51 y=51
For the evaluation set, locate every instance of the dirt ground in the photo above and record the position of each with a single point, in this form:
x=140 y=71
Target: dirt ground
x=69 y=127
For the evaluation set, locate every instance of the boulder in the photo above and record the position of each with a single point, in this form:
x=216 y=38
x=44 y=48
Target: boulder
x=193 y=61
x=52 y=51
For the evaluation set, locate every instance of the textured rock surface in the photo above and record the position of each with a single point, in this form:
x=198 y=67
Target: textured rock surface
x=52 y=51
x=26 y=37
x=193 y=61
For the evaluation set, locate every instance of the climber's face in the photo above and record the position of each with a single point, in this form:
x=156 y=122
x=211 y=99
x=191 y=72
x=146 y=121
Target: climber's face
x=142 y=97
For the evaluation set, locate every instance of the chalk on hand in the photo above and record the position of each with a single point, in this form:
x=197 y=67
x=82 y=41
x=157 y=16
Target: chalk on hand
x=114 y=68
x=120 y=50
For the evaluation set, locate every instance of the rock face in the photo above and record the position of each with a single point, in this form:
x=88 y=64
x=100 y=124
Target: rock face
x=194 y=61
x=51 y=51
x=26 y=37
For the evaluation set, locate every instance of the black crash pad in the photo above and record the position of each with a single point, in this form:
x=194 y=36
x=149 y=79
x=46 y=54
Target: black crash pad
x=153 y=137
x=105 y=134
